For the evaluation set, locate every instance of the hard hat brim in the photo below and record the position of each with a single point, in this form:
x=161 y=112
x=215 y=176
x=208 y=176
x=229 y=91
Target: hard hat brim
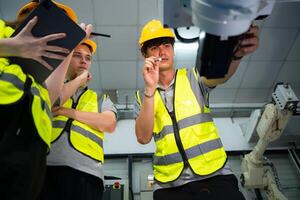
x=32 y=5
x=91 y=44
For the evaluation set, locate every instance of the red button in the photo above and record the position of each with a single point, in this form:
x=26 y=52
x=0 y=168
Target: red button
x=116 y=185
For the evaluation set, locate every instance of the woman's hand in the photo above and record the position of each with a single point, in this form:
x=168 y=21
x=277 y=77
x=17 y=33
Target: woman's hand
x=28 y=46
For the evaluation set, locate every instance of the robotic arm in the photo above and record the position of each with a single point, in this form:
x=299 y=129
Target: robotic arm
x=270 y=127
x=224 y=24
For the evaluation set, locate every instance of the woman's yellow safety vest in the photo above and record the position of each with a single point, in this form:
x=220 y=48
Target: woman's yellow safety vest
x=83 y=138
x=187 y=136
x=13 y=83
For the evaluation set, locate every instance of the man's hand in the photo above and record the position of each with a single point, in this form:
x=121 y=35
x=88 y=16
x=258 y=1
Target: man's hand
x=67 y=112
x=250 y=43
x=84 y=77
x=151 y=73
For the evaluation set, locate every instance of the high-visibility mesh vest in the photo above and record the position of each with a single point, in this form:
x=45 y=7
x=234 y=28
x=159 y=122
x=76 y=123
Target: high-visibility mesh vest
x=82 y=137
x=187 y=136
x=13 y=82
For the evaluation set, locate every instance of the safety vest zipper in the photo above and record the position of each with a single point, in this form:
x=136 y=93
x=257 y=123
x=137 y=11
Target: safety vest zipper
x=177 y=138
x=69 y=122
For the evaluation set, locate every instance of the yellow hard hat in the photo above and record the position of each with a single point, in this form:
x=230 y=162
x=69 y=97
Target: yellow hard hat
x=32 y=5
x=91 y=44
x=152 y=30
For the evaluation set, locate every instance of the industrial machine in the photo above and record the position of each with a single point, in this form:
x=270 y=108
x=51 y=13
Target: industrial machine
x=275 y=117
x=225 y=24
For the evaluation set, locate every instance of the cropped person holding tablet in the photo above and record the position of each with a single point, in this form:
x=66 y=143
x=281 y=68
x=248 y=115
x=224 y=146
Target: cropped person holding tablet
x=25 y=105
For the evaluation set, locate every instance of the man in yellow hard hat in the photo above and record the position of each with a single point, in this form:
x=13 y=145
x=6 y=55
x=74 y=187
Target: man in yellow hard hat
x=190 y=161
x=25 y=105
x=75 y=162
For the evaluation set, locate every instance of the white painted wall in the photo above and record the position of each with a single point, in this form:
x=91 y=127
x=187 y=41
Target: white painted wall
x=123 y=140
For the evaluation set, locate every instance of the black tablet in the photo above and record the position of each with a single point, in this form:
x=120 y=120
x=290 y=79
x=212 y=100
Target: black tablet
x=51 y=19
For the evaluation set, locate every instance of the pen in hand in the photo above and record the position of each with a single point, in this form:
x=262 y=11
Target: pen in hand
x=100 y=34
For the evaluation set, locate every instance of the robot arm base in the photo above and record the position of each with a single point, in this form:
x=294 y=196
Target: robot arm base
x=252 y=173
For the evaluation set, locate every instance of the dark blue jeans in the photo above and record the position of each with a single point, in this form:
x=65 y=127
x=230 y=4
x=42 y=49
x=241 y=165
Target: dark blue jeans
x=66 y=183
x=215 y=188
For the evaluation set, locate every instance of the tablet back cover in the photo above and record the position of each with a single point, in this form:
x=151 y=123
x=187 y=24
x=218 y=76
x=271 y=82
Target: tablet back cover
x=51 y=19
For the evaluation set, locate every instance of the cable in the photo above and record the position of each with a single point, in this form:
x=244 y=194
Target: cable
x=131 y=193
x=258 y=194
x=274 y=171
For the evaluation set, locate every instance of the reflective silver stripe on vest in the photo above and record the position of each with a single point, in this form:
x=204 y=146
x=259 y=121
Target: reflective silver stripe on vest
x=44 y=105
x=18 y=83
x=88 y=134
x=189 y=121
x=191 y=153
x=58 y=124
x=168 y=159
x=194 y=120
x=203 y=148
x=165 y=131
x=196 y=88
x=62 y=124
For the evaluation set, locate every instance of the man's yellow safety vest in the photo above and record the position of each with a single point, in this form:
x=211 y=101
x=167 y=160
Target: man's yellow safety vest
x=83 y=138
x=187 y=136
x=14 y=83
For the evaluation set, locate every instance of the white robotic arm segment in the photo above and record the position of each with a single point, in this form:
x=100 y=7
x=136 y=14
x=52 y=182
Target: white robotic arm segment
x=228 y=18
x=268 y=123
x=270 y=127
